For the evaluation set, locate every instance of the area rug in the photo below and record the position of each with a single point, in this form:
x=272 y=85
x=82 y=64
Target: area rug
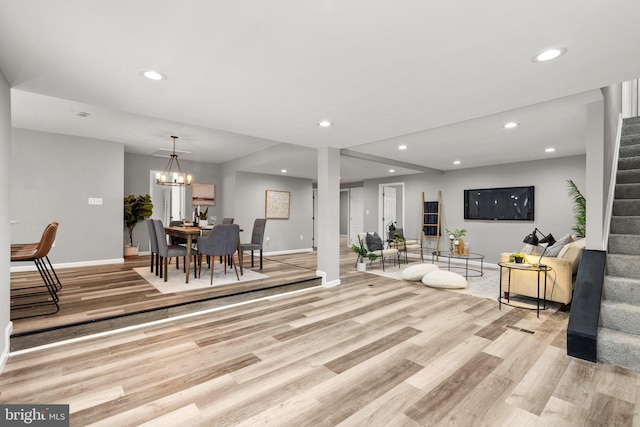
x=175 y=278
x=485 y=286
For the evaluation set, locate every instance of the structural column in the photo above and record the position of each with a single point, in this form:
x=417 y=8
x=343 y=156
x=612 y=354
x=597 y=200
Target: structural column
x=597 y=182
x=329 y=216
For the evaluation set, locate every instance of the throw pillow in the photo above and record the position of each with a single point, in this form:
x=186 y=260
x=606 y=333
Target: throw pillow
x=416 y=272
x=374 y=242
x=445 y=280
x=555 y=249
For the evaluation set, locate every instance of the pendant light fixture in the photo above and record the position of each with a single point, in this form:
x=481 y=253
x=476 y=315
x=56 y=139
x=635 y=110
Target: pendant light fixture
x=173 y=175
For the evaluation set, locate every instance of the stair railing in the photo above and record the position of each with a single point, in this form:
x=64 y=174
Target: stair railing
x=612 y=186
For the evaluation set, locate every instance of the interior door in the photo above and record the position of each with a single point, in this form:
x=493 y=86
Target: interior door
x=356 y=214
x=389 y=210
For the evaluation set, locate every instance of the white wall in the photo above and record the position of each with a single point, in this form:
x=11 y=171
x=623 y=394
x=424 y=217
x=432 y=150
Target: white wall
x=553 y=208
x=5 y=189
x=53 y=176
x=283 y=234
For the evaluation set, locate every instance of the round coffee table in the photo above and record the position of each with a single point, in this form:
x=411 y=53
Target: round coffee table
x=469 y=257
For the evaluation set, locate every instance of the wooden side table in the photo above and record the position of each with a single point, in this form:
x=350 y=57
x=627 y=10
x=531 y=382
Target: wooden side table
x=540 y=268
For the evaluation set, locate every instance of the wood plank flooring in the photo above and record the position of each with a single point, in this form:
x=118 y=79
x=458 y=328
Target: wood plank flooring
x=370 y=352
x=92 y=293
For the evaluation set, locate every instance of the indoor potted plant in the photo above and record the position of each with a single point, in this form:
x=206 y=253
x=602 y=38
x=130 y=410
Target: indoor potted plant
x=362 y=253
x=456 y=243
x=136 y=208
x=517 y=257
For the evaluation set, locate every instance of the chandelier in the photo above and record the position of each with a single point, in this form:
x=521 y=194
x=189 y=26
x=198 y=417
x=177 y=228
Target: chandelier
x=170 y=176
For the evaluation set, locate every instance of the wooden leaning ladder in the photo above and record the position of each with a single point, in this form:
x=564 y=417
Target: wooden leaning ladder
x=430 y=226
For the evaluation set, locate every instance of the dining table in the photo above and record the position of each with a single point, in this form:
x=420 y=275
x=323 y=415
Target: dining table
x=188 y=233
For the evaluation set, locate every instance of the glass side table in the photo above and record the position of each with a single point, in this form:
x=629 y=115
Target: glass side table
x=538 y=269
x=469 y=257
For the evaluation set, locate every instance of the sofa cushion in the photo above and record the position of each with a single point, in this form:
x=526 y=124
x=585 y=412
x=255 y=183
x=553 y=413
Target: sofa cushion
x=554 y=250
x=572 y=253
x=416 y=272
x=374 y=242
x=444 y=279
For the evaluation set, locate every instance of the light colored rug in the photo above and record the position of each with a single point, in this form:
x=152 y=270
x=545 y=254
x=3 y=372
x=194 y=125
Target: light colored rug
x=175 y=278
x=485 y=286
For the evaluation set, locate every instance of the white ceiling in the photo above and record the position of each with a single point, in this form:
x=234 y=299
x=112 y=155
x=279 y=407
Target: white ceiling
x=247 y=76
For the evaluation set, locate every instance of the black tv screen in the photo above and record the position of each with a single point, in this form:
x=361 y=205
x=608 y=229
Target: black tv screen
x=502 y=204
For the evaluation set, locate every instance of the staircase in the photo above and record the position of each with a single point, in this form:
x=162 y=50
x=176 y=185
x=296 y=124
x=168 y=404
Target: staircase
x=619 y=331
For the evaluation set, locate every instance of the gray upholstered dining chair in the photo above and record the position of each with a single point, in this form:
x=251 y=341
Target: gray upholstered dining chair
x=153 y=242
x=257 y=237
x=223 y=242
x=227 y=220
x=166 y=251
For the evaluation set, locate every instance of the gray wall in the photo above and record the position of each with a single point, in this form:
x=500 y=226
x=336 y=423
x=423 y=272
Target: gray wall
x=5 y=156
x=283 y=234
x=52 y=178
x=553 y=208
x=137 y=169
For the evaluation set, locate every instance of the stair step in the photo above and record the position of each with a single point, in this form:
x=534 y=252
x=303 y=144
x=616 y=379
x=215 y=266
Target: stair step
x=627 y=177
x=628 y=244
x=628 y=163
x=632 y=129
x=625 y=225
x=629 y=151
x=618 y=348
x=621 y=289
x=620 y=316
x=622 y=265
x=627 y=140
x=627 y=191
x=631 y=121
x=626 y=207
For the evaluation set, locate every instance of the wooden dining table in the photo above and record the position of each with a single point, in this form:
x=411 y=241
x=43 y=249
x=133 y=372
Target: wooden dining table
x=188 y=233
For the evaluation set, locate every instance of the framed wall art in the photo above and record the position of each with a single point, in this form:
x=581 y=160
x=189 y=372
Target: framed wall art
x=277 y=204
x=203 y=194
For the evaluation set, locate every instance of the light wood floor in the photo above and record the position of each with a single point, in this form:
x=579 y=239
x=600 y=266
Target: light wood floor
x=370 y=352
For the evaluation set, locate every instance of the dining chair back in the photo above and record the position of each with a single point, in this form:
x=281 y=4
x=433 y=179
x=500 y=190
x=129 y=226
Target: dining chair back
x=227 y=220
x=153 y=242
x=166 y=251
x=257 y=237
x=222 y=241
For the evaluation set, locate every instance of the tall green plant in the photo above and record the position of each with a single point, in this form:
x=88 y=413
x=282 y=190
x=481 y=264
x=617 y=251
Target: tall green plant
x=136 y=209
x=579 y=209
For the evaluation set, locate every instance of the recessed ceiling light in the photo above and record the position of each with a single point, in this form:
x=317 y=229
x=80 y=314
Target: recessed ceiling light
x=153 y=75
x=549 y=54
x=392 y=170
x=283 y=170
x=510 y=125
x=325 y=123
x=549 y=150
x=456 y=162
x=402 y=147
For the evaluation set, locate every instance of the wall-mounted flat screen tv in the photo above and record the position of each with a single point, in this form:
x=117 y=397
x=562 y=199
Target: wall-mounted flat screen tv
x=500 y=204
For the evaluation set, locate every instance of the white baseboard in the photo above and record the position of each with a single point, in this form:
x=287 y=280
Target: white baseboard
x=71 y=264
x=7 y=345
x=293 y=251
x=325 y=283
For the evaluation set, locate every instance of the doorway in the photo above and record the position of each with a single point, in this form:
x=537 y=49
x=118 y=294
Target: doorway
x=356 y=215
x=391 y=206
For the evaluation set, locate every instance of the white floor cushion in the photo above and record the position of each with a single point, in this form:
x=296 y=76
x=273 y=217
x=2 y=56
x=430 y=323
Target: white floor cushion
x=416 y=272
x=444 y=279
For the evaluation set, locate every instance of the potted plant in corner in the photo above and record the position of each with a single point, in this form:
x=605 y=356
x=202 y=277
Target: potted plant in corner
x=362 y=253
x=136 y=208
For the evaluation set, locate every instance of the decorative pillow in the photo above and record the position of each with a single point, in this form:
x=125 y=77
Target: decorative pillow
x=444 y=279
x=573 y=252
x=374 y=242
x=416 y=272
x=555 y=249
